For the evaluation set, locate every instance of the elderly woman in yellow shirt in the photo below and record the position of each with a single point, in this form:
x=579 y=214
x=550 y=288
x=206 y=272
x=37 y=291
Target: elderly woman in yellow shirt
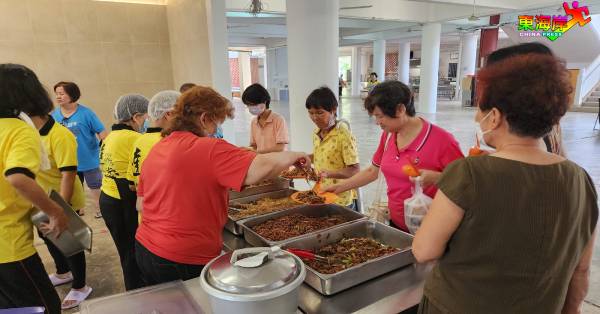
x=335 y=155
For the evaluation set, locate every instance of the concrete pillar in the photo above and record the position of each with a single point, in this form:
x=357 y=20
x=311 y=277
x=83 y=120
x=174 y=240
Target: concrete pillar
x=310 y=65
x=379 y=59
x=262 y=72
x=430 y=63
x=356 y=74
x=404 y=62
x=198 y=41
x=468 y=58
x=488 y=41
x=245 y=70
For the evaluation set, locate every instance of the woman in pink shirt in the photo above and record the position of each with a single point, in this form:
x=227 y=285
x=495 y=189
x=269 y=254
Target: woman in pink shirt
x=268 y=131
x=405 y=137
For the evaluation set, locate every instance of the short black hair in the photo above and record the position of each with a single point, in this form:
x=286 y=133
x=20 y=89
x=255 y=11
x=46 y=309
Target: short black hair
x=387 y=96
x=256 y=94
x=22 y=91
x=71 y=89
x=516 y=50
x=373 y=73
x=186 y=86
x=322 y=98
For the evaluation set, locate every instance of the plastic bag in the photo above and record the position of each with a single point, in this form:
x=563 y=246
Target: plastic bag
x=416 y=207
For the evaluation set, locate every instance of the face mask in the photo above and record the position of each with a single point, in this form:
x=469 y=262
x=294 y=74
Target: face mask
x=256 y=110
x=218 y=132
x=480 y=132
x=144 y=127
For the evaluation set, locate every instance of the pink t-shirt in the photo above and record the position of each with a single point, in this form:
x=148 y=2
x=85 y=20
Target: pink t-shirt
x=274 y=132
x=433 y=149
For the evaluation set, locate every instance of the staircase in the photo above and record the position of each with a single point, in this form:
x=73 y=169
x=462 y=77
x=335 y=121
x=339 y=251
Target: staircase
x=590 y=104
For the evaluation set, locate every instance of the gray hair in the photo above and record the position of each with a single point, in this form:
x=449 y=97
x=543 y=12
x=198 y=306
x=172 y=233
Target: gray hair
x=128 y=105
x=162 y=103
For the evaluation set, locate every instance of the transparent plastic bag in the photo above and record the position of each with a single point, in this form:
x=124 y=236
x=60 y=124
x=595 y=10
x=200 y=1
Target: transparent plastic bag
x=416 y=207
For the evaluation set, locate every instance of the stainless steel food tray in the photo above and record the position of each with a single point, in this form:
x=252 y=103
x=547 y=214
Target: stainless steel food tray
x=309 y=210
x=278 y=184
x=233 y=225
x=329 y=284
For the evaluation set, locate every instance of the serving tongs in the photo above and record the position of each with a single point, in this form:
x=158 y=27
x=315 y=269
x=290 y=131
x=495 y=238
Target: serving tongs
x=301 y=164
x=309 y=255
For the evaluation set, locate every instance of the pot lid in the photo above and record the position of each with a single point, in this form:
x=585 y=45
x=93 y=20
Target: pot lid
x=278 y=270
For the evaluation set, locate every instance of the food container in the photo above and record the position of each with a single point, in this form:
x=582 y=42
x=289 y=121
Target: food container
x=76 y=238
x=233 y=225
x=170 y=297
x=278 y=184
x=271 y=287
x=329 y=284
x=309 y=210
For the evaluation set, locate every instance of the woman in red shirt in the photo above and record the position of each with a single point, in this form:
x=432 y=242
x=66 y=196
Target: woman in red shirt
x=405 y=137
x=183 y=188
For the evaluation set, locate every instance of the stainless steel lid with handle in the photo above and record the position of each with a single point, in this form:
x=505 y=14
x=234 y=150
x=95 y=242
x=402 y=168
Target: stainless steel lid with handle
x=266 y=273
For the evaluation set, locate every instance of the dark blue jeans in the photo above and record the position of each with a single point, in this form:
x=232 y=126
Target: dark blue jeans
x=156 y=269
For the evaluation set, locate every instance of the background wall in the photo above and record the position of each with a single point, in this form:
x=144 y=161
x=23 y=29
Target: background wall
x=107 y=48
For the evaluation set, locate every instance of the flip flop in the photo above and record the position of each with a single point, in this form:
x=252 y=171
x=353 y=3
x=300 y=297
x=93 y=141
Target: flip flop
x=56 y=281
x=77 y=296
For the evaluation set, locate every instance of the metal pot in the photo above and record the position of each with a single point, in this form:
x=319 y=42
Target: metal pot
x=270 y=287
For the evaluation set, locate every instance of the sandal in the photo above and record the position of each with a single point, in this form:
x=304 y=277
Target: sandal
x=98 y=215
x=57 y=281
x=77 y=297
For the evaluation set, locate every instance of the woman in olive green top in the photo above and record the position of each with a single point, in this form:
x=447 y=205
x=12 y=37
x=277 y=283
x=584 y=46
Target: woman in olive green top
x=513 y=231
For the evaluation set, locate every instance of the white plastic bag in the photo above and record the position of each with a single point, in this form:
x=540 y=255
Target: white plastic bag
x=379 y=210
x=416 y=207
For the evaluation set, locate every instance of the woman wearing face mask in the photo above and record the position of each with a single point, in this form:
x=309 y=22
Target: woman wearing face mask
x=117 y=201
x=184 y=185
x=268 y=131
x=406 y=139
x=335 y=154
x=513 y=231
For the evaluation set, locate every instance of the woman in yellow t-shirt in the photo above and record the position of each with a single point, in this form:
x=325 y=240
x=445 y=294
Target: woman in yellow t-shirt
x=61 y=146
x=117 y=200
x=23 y=279
x=335 y=154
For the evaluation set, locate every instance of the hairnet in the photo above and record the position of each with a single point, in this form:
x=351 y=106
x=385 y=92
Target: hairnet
x=128 y=105
x=162 y=103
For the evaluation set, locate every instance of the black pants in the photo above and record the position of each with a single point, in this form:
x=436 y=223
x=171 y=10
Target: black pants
x=25 y=283
x=156 y=269
x=121 y=221
x=74 y=264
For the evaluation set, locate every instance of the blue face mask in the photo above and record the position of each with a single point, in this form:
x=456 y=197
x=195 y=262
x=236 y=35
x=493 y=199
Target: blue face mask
x=144 y=126
x=218 y=133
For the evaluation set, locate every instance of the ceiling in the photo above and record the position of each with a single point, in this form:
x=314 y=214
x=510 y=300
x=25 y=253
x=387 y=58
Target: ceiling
x=362 y=21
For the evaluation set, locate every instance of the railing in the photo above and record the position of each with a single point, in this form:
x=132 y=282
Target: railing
x=590 y=79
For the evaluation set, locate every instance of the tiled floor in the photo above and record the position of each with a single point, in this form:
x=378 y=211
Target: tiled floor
x=581 y=142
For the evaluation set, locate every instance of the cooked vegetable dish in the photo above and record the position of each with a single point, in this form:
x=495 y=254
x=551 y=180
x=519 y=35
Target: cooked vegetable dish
x=348 y=253
x=294 y=225
x=295 y=173
x=310 y=197
x=261 y=206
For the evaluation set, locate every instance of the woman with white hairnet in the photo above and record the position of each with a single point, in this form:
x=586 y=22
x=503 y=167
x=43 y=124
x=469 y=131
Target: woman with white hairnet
x=159 y=112
x=117 y=201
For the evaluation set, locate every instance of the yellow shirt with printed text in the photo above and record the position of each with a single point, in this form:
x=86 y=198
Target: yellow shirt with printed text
x=141 y=149
x=114 y=157
x=20 y=150
x=336 y=151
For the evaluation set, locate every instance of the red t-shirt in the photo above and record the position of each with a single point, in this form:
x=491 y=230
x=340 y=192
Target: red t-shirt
x=433 y=149
x=184 y=182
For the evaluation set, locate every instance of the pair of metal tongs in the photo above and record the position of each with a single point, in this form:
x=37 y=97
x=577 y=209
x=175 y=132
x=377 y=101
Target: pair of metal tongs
x=309 y=255
x=301 y=165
